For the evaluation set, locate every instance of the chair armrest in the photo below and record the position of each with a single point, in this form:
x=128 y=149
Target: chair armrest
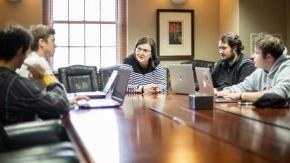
x=60 y=152
x=35 y=133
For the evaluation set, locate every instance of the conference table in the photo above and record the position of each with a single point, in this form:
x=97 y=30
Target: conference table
x=162 y=128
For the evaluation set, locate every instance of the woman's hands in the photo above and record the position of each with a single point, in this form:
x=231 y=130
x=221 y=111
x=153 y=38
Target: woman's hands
x=151 y=88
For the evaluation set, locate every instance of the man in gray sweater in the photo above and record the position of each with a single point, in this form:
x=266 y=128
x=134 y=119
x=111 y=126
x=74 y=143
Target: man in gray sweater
x=271 y=75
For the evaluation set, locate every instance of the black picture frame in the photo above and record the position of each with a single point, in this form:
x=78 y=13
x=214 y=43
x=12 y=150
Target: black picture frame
x=175 y=34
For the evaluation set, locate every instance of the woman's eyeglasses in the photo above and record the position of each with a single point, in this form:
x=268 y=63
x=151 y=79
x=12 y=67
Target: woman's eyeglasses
x=138 y=49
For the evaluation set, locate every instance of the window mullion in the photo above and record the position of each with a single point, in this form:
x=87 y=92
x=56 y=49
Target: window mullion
x=87 y=23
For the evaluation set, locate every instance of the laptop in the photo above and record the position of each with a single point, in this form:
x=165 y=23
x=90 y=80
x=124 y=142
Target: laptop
x=206 y=85
x=118 y=94
x=181 y=78
x=204 y=80
x=106 y=90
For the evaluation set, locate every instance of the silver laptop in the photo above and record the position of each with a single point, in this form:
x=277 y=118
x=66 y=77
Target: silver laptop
x=118 y=94
x=206 y=85
x=106 y=90
x=181 y=78
x=204 y=80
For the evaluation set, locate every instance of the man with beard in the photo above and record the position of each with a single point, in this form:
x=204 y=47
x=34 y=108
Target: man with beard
x=271 y=76
x=234 y=66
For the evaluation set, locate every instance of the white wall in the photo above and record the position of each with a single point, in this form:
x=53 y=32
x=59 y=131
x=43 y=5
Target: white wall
x=142 y=21
x=262 y=16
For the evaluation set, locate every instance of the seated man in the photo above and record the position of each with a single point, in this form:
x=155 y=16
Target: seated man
x=271 y=76
x=21 y=99
x=234 y=66
x=43 y=47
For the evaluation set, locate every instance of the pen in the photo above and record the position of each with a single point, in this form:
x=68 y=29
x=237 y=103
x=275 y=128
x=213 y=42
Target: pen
x=174 y=118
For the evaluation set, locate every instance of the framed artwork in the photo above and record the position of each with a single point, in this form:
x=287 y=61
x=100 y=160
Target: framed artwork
x=175 y=34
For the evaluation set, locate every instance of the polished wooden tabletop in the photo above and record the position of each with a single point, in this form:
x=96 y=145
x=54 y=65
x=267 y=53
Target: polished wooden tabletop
x=162 y=128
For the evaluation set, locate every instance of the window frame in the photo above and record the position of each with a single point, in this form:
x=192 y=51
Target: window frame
x=121 y=21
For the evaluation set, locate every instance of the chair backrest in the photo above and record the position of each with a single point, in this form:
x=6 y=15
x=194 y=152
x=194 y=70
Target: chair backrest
x=79 y=78
x=201 y=63
x=105 y=73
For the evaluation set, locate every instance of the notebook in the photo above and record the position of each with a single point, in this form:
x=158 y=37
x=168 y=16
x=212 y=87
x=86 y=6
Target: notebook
x=118 y=94
x=106 y=90
x=206 y=85
x=181 y=78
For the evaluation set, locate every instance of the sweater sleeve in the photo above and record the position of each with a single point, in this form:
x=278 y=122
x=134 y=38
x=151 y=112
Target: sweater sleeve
x=250 y=84
x=281 y=86
x=28 y=98
x=160 y=77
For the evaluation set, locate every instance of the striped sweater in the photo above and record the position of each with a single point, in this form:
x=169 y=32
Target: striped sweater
x=140 y=76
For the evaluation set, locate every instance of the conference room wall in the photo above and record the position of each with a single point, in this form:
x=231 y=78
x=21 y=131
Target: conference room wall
x=25 y=12
x=209 y=19
x=142 y=21
x=229 y=16
x=263 y=16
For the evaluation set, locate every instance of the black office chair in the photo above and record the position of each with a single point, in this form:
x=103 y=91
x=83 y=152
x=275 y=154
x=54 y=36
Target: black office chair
x=79 y=78
x=36 y=133
x=200 y=63
x=105 y=73
x=27 y=142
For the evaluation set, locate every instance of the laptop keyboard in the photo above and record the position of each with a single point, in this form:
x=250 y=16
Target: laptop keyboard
x=98 y=103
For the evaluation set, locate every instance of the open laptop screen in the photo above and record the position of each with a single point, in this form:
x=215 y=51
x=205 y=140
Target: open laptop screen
x=181 y=77
x=110 y=82
x=121 y=83
x=204 y=80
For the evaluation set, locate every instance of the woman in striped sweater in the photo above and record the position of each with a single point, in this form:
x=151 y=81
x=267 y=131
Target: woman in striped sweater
x=148 y=76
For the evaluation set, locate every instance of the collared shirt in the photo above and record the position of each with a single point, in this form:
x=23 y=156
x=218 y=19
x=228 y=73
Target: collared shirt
x=21 y=100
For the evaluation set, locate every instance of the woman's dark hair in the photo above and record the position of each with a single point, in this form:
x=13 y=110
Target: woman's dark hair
x=151 y=42
x=233 y=40
x=12 y=38
x=269 y=44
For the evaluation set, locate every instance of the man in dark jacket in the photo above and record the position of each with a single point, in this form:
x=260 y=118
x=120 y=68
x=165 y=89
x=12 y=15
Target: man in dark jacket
x=20 y=99
x=234 y=66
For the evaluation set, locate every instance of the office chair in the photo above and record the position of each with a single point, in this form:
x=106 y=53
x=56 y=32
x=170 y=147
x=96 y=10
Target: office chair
x=105 y=73
x=27 y=142
x=200 y=63
x=79 y=78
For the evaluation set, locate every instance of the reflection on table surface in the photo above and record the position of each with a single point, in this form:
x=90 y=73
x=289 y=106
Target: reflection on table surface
x=135 y=133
